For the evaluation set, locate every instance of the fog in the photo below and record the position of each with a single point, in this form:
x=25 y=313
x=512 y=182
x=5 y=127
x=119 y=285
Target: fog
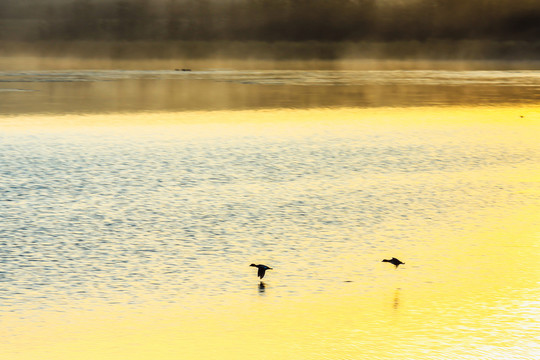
x=497 y=28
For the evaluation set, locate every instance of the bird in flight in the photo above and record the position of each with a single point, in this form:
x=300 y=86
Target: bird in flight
x=262 y=269
x=394 y=261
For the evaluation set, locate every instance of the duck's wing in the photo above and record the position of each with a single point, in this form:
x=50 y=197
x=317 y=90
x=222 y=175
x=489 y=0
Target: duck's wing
x=261 y=272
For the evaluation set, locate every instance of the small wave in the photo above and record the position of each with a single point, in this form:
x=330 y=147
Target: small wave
x=292 y=77
x=16 y=90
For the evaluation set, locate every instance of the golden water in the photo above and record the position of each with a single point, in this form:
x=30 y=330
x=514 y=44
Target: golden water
x=129 y=235
x=469 y=288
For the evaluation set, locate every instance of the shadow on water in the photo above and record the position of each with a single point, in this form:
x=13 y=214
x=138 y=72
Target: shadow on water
x=262 y=287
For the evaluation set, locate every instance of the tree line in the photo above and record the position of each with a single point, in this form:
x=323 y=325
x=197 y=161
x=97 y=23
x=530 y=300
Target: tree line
x=270 y=20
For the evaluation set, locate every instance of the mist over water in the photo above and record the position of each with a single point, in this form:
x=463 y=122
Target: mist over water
x=271 y=21
x=150 y=150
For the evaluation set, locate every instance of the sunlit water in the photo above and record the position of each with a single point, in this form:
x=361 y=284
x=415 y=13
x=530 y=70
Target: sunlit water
x=131 y=212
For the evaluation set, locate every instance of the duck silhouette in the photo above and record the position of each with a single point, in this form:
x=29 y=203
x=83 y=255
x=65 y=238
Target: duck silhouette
x=262 y=269
x=394 y=261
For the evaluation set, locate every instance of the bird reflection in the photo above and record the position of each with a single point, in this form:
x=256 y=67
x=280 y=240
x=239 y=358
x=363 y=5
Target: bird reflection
x=396 y=299
x=262 y=287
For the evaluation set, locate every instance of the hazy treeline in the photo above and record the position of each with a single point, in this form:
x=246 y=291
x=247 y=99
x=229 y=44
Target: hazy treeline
x=270 y=20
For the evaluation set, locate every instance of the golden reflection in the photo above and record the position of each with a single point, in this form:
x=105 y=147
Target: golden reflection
x=463 y=294
x=453 y=304
x=396 y=299
x=208 y=123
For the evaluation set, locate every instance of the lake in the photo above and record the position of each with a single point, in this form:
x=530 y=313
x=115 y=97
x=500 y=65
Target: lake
x=134 y=201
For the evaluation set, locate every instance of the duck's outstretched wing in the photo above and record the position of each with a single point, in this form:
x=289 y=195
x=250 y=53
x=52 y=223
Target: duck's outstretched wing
x=261 y=272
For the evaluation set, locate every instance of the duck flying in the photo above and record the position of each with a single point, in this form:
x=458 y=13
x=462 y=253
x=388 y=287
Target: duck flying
x=262 y=269
x=394 y=261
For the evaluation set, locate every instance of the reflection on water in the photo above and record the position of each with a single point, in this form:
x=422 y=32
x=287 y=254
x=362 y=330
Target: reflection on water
x=130 y=235
x=396 y=299
x=123 y=91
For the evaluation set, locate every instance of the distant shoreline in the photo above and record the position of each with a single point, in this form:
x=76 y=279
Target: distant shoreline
x=410 y=54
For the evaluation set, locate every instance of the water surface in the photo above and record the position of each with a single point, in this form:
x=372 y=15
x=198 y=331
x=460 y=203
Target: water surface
x=93 y=91
x=133 y=203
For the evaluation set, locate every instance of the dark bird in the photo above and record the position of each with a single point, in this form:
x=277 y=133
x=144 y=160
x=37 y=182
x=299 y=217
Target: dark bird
x=262 y=269
x=394 y=262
